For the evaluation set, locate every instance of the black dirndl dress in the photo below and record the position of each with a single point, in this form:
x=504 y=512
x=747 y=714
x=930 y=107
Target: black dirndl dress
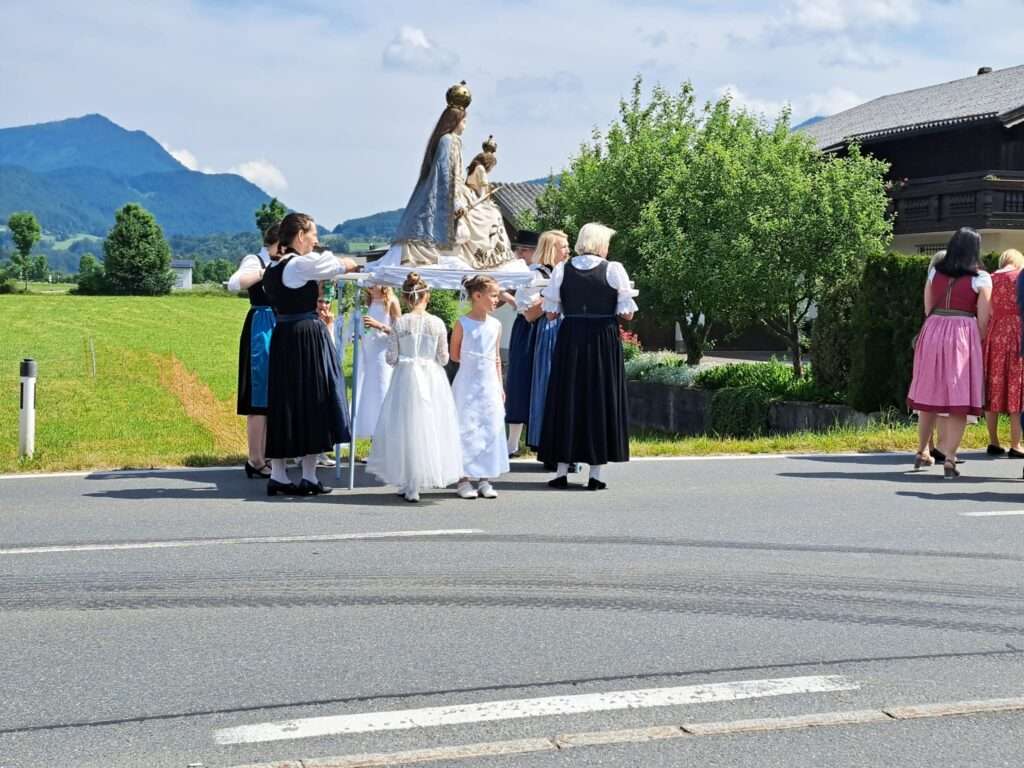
x=519 y=379
x=254 y=353
x=308 y=409
x=586 y=414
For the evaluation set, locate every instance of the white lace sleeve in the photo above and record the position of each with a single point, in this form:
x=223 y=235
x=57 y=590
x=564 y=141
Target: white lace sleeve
x=440 y=332
x=391 y=355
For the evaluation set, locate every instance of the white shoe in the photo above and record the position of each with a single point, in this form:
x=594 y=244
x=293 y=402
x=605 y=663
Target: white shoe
x=487 y=490
x=412 y=496
x=466 y=490
x=323 y=460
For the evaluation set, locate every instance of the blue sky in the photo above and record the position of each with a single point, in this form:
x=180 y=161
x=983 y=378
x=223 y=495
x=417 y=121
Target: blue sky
x=329 y=104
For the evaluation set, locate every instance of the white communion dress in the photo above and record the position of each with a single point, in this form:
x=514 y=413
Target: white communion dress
x=374 y=372
x=416 y=442
x=478 y=400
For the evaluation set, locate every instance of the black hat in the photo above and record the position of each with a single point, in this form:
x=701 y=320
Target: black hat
x=526 y=238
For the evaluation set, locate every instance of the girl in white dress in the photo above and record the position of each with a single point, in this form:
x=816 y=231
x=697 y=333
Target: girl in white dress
x=416 y=441
x=374 y=371
x=479 y=398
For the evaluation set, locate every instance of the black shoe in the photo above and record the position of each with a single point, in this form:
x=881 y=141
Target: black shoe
x=593 y=484
x=559 y=482
x=251 y=471
x=285 y=489
x=995 y=450
x=1013 y=453
x=307 y=488
x=937 y=454
x=550 y=466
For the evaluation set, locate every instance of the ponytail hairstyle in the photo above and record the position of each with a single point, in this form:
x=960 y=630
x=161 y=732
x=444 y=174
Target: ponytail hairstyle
x=414 y=289
x=272 y=235
x=290 y=227
x=473 y=284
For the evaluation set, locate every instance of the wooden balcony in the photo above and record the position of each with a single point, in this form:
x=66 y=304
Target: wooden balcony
x=982 y=200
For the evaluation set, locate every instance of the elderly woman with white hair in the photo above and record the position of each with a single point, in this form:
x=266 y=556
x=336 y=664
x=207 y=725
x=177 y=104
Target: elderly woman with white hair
x=586 y=414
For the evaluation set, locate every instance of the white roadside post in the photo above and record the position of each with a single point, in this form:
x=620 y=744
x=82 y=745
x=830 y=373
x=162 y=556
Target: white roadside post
x=27 y=419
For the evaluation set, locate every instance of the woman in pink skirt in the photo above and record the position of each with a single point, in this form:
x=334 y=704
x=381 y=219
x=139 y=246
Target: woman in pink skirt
x=948 y=375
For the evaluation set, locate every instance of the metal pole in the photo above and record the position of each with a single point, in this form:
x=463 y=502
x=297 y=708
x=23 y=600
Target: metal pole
x=27 y=418
x=357 y=335
x=339 y=350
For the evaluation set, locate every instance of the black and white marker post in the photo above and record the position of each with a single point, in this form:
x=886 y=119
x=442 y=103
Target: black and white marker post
x=27 y=419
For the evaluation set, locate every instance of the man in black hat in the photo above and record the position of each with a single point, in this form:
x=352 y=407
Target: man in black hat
x=526 y=244
x=519 y=372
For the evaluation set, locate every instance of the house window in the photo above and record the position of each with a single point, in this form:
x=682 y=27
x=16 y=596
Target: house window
x=915 y=207
x=963 y=202
x=1013 y=202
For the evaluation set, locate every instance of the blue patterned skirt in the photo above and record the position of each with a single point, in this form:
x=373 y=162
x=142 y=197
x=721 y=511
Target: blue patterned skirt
x=547 y=334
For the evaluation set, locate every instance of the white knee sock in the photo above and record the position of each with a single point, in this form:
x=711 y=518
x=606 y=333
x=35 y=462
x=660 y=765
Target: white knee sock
x=563 y=470
x=515 y=431
x=278 y=472
x=595 y=471
x=309 y=468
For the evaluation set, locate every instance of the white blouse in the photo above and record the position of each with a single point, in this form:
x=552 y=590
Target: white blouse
x=528 y=295
x=251 y=263
x=981 y=280
x=313 y=266
x=616 y=277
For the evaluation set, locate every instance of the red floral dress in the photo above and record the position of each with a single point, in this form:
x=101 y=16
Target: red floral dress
x=1004 y=369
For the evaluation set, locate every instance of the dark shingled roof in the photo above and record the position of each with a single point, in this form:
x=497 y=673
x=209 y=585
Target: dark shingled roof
x=515 y=199
x=995 y=95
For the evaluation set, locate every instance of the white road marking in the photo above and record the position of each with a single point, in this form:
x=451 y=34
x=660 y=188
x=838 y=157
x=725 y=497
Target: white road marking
x=489 y=711
x=246 y=540
x=997 y=513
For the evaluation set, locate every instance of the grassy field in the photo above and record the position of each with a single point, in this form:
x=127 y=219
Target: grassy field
x=162 y=392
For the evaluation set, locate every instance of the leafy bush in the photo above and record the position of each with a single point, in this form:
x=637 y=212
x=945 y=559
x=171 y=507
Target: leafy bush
x=740 y=411
x=630 y=344
x=832 y=342
x=445 y=304
x=91 y=277
x=6 y=285
x=674 y=375
x=774 y=379
x=138 y=258
x=640 y=367
x=887 y=314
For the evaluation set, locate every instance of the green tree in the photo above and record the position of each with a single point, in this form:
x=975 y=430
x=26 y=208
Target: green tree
x=38 y=269
x=137 y=257
x=91 y=278
x=269 y=214
x=26 y=232
x=612 y=180
x=215 y=271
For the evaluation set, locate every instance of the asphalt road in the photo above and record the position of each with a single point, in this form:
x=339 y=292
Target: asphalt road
x=178 y=618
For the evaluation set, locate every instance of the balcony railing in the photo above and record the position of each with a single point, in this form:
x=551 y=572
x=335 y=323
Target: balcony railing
x=986 y=200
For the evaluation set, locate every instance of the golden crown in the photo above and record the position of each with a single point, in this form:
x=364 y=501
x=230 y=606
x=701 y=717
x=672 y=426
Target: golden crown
x=458 y=95
x=490 y=145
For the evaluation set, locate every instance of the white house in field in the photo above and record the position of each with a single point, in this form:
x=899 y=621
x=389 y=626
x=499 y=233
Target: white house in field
x=182 y=269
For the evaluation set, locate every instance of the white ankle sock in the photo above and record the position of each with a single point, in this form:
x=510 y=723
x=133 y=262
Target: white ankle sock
x=595 y=471
x=515 y=431
x=309 y=468
x=278 y=472
x=563 y=470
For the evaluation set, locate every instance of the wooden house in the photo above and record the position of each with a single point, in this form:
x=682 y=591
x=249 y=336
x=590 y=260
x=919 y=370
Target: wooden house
x=957 y=157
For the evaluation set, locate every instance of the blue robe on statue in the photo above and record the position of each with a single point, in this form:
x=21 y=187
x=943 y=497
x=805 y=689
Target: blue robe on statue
x=428 y=218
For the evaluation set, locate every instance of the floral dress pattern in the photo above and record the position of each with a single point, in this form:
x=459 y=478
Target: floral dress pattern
x=1004 y=369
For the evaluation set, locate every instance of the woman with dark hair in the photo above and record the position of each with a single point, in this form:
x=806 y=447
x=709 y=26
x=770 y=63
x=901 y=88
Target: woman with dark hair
x=254 y=351
x=308 y=410
x=948 y=369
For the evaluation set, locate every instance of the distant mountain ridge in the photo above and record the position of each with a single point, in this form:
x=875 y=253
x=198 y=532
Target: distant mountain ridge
x=75 y=173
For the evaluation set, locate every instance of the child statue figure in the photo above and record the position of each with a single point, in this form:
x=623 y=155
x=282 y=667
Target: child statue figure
x=481 y=239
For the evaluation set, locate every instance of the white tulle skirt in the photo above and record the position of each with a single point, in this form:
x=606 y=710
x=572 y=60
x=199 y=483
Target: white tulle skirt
x=416 y=444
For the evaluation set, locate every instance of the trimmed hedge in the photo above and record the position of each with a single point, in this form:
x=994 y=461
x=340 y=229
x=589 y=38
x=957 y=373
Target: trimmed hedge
x=832 y=342
x=740 y=411
x=775 y=379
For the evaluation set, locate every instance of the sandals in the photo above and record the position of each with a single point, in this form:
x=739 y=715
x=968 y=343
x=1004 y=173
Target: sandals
x=923 y=459
x=949 y=470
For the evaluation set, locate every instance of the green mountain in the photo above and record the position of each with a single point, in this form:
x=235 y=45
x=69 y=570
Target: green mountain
x=74 y=174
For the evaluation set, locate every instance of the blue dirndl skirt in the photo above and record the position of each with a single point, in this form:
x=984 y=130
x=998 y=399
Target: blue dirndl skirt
x=547 y=334
x=254 y=361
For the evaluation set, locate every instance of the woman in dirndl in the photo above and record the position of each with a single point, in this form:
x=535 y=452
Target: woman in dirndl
x=586 y=414
x=308 y=409
x=552 y=250
x=521 y=344
x=254 y=351
x=948 y=359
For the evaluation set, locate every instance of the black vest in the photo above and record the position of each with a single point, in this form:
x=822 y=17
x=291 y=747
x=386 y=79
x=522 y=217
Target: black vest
x=257 y=294
x=586 y=291
x=285 y=300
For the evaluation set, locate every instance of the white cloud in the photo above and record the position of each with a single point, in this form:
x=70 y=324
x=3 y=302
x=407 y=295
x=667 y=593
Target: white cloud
x=824 y=103
x=183 y=156
x=841 y=15
x=830 y=102
x=844 y=52
x=263 y=174
x=757 y=106
x=413 y=50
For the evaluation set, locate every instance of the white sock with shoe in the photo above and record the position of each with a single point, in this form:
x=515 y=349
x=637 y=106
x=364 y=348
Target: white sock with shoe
x=515 y=431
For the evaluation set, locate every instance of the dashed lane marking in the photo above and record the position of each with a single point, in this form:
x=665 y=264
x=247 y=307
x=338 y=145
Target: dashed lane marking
x=995 y=513
x=490 y=711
